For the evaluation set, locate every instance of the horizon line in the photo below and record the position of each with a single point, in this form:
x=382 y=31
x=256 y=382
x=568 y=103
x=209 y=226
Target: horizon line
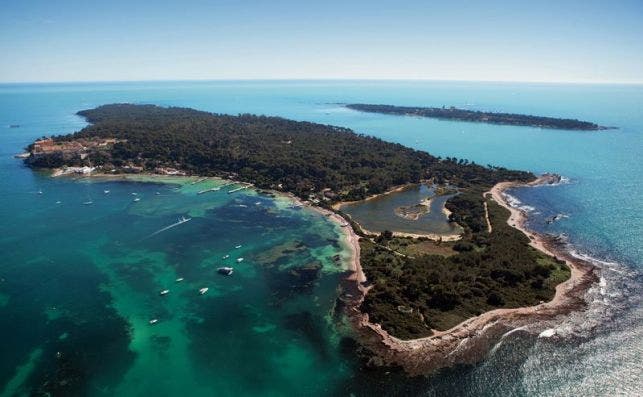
x=322 y=79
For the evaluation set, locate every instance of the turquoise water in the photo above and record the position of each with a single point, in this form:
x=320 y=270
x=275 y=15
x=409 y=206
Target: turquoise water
x=378 y=214
x=78 y=283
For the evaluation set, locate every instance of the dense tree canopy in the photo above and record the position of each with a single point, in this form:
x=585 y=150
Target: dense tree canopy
x=453 y=113
x=269 y=151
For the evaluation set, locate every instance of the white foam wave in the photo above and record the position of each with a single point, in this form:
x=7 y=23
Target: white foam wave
x=548 y=333
x=516 y=203
x=563 y=181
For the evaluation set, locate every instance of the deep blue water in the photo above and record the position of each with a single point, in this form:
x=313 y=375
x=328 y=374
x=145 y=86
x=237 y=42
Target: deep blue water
x=602 y=201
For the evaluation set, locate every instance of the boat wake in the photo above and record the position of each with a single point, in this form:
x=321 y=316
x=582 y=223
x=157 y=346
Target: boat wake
x=181 y=221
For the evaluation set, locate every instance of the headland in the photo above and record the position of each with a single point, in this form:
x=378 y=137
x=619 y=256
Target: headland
x=416 y=303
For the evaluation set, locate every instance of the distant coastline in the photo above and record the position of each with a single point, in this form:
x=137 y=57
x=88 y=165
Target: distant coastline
x=456 y=290
x=457 y=114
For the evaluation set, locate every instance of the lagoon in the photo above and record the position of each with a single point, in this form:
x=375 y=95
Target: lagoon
x=77 y=279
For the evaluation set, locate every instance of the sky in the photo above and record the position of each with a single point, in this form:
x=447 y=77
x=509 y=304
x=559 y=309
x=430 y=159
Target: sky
x=493 y=40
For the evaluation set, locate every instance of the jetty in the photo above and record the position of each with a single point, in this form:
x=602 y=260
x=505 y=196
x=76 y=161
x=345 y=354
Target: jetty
x=198 y=181
x=213 y=189
x=239 y=188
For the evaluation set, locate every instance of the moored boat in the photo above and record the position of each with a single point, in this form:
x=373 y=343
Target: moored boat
x=225 y=270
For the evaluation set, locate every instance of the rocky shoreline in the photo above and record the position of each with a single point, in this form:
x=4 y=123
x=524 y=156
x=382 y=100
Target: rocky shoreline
x=469 y=341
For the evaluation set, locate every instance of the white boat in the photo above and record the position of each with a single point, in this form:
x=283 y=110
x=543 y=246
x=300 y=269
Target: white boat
x=134 y=194
x=239 y=260
x=137 y=199
x=203 y=290
x=88 y=202
x=178 y=280
x=226 y=271
x=237 y=246
x=106 y=191
x=164 y=292
x=158 y=193
x=225 y=256
x=154 y=321
x=39 y=191
x=58 y=202
x=183 y=220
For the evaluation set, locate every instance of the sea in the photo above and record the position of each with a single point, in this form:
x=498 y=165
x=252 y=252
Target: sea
x=81 y=267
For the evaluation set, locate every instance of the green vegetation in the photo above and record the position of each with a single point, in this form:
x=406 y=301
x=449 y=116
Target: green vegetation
x=491 y=270
x=418 y=285
x=300 y=157
x=452 y=113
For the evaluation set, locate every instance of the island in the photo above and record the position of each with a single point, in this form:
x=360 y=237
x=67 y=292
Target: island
x=417 y=301
x=457 y=114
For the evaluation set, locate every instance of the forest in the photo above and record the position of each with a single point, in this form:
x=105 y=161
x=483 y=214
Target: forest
x=457 y=114
x=484 y=271
x=412 y=294
x=271 y=152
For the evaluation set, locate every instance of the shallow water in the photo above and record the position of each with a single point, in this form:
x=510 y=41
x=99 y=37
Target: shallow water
x=378 y=214
x=83 y=281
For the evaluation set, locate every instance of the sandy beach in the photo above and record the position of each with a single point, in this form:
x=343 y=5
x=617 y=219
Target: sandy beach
x=430 y=236
x=350 y=237
x=469 y=341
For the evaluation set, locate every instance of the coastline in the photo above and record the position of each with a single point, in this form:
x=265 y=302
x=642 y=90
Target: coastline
x=430 y=236
x=469 y=341
x=427 y=202
x=465 y=343
x=350 y=237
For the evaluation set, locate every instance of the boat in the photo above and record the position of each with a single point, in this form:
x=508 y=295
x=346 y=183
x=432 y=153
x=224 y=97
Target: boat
x=164 y=292
x=106 y=191
x=225 y=256
x=226 y=271
x=158 y=193
x=88 y=202
x=183 y=220
x=134 y=194
x=178 y=280
x=39 y=192
x=137 y=199
x=58 y=202
x=239 y=260
x=154 y=321
x=203 y=290
x=237 y=246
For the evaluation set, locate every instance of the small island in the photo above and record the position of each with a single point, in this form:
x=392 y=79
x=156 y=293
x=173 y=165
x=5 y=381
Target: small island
x=457 y=114
x=402 y=289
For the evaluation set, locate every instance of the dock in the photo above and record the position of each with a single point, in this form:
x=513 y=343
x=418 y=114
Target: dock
x=239 y=188
x=198 y=181
x=214 y=189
